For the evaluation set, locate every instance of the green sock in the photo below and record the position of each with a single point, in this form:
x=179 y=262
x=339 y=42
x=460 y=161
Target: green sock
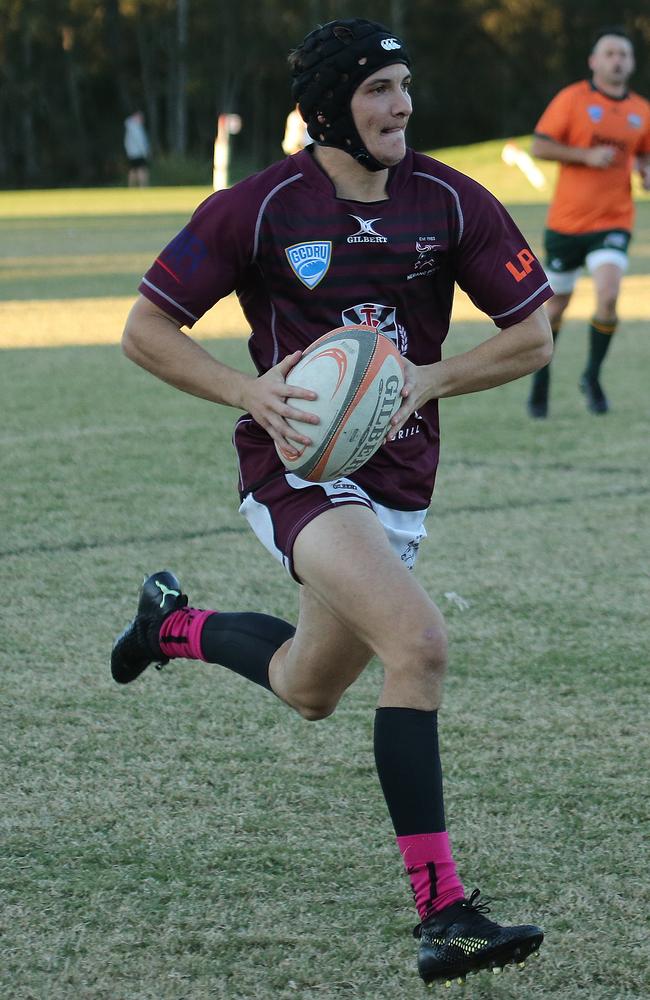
x=600 y=338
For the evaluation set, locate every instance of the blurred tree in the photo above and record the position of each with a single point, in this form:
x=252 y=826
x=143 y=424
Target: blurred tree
x=71 y=70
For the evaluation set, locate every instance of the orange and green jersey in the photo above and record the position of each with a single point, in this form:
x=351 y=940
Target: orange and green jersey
x=588 y=199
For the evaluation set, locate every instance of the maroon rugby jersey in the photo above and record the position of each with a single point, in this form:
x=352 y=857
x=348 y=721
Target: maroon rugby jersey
x=303 y=261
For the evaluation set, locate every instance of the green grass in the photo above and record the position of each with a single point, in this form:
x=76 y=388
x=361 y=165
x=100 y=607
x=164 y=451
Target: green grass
x=94 y=242
x=189 y=838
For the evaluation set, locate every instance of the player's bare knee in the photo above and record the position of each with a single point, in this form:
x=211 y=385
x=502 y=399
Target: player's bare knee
x=606 y=310
x=431 y=663
x=314 y=712
x=422 y=654
x=311 y=703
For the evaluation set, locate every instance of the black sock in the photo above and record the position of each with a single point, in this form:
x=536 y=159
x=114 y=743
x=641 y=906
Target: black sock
x=600 y=339
x=244 y=642
x=541 y=379
x=408 y=765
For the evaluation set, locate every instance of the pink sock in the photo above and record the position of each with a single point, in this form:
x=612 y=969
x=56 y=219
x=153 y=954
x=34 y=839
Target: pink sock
x=180 y=633
x=431 y=869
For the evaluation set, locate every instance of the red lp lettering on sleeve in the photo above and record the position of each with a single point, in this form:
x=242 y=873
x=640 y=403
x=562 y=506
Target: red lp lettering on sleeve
x=526 y=259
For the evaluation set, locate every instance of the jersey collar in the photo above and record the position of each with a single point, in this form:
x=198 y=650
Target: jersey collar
x=318 y=179
x=610 y=97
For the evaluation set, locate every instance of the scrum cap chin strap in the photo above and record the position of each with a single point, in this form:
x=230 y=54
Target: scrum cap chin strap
x=333 y=61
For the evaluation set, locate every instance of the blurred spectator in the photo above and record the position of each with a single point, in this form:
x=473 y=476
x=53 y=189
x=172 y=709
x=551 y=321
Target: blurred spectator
x=296 y=136
x=136 y=146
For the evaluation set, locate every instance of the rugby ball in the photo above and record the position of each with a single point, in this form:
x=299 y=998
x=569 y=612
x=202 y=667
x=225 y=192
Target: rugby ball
x=357 y=375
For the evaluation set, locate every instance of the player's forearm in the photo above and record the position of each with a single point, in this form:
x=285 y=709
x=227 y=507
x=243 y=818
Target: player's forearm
x=508 y=355
x=549 y=149
x=154 y=341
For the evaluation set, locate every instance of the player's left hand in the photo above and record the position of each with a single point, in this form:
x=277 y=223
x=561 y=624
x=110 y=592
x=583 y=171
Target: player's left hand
x=416 y=391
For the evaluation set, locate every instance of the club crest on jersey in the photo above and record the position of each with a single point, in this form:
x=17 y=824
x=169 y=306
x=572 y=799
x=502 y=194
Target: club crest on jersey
x=595 y=112
x=618 y=240
x=380 y=318
x=427 y=262
x=310 y=261
x=634 y=120
x=366 y=233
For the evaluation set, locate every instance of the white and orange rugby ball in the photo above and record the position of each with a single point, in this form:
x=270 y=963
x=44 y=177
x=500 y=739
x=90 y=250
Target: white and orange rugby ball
x=358 y=377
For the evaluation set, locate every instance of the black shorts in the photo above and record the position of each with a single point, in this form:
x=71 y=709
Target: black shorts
x=138 y=161
x=568 y=253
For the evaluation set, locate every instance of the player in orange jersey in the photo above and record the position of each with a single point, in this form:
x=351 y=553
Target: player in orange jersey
x=596 y=130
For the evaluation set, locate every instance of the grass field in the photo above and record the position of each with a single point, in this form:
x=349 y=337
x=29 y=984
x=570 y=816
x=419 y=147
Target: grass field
x=187 y=837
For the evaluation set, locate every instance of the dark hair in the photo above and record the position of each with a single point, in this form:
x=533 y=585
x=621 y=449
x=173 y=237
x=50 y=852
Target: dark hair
x=611 y=29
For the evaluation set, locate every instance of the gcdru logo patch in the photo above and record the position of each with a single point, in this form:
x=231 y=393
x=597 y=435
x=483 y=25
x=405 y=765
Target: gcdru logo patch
x=595 y=112
x=310 y=261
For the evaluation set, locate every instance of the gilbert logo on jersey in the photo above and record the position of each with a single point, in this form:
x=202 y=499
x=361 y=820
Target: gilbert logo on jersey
x=366 y=232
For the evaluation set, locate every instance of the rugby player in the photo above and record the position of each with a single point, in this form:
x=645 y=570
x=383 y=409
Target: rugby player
x=595 y=129
x=355 y=228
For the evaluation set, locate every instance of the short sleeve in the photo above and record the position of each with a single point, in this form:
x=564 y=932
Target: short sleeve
x=554 y=122
x=204 y=262
x=495 y=265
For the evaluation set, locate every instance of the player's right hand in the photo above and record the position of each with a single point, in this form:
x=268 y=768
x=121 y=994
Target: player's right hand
x=267 y=399
x=600 y=157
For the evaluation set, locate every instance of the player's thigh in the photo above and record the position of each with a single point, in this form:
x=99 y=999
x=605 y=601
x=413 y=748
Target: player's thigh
x=607 y=284
x=325 y=657
x=345 y=558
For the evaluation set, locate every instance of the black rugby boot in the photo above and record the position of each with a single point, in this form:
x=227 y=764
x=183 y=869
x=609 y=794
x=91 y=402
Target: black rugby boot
x=597 y=401
x=137 y=646
x=460 y=939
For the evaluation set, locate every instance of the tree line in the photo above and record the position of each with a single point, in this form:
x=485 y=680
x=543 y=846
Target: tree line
x=72 y=70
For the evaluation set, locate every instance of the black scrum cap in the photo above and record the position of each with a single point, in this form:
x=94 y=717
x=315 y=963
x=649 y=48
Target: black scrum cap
x=327 y=69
